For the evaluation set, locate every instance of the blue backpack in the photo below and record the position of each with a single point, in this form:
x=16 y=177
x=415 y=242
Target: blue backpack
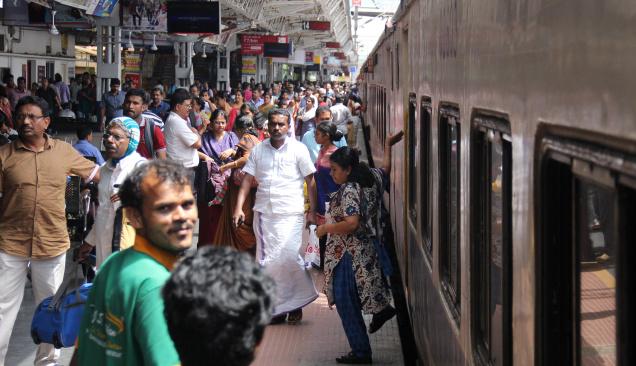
x=57 y=319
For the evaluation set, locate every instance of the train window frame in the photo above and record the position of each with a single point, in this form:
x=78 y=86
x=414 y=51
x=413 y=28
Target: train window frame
x=425 y=184
x=486 y=129
x=571 y=157
x=412 y=143
x=449 y=116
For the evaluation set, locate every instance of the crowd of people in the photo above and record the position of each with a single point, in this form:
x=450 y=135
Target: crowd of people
x=255 y=166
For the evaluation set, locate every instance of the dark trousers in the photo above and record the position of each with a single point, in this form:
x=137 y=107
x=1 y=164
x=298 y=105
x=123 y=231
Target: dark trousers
x=345 y=294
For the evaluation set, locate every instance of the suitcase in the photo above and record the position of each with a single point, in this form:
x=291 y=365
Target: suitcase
x=57 y=319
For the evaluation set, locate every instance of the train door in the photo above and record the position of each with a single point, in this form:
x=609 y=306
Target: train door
x=585 y=253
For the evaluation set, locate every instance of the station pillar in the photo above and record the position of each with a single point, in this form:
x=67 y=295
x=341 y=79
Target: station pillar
x=183 y=70
x=108 y=43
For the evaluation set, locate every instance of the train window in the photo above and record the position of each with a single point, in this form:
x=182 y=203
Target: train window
x=426 y=213
x=449 y=246
x=412 y=167
x=586 y=254
x=491 y=201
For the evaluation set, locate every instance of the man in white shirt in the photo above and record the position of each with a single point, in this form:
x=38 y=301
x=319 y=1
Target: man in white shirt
x=341 y=114
x=182 y=140
x=280 y=165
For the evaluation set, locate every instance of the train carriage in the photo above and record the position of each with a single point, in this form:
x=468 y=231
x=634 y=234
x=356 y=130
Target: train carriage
x=512 y=199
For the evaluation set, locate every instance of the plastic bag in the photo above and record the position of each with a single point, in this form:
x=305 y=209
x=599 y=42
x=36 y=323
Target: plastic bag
x=312 y=252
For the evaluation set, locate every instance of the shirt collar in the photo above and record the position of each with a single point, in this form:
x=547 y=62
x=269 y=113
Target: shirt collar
x=269 y=143
x=48 y=144
x=164 y=257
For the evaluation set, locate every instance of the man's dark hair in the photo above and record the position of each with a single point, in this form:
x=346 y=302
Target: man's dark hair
x=164 y=170
x=21 y=78
x=179 y=96
x=58 y=77
x=217 y=303
x=83 y=132
x=158 y=89
x=27 y=100
x=6 y=78
x=323 y=109
x=278 y=112
x=145 y=97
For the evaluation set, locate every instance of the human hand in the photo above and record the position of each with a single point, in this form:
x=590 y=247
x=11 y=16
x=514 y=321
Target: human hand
x=321 y=230
x=238 y=217
x=227 y=153
x=114 y=198
x=395 y=138
x=311 y=219
x=84 y=251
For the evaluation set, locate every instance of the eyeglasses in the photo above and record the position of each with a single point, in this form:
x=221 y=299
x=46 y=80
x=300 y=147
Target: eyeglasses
x=188 y=106
x=117 y=138
x=23 y=117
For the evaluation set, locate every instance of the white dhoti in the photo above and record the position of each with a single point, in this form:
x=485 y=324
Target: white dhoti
x=278 y=241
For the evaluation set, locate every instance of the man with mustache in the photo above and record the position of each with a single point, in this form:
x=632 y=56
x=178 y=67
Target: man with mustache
x=33 y=171
x=123 y=322
x=152 y=142
x=280 y=165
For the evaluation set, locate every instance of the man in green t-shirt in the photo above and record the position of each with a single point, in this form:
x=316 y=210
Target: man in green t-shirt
x=123 y=322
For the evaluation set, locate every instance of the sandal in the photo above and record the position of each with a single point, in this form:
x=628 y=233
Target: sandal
x=352 y=359
x=294 y=317
x=380 y=318
x=279 y=319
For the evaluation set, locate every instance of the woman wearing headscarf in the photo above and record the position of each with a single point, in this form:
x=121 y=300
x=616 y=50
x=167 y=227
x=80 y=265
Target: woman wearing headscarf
x=241 y=237
x=217 y=149
x=120 y=140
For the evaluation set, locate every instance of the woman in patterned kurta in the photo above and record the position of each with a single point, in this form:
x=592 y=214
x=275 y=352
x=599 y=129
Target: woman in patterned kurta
x=353 y=278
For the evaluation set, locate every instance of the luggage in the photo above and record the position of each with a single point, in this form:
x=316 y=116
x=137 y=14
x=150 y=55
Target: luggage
x=57 y=319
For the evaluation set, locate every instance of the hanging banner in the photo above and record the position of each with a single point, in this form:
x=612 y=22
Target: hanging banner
x=249 y=65
x=316 y=25
x=253 y=44
x=132 y=62
x=101 y=8
x=143 y=15
x=332 y=45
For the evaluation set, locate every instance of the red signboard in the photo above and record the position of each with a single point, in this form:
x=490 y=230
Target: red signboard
x=332 y=44
x=252 y=44
x=356 y=2
x=316 y=25
x=340 y=55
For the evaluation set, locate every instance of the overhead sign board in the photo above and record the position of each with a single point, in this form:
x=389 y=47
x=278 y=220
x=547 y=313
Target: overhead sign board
x=332 y=45
x=340 y=55
x=309 y=57
x=316 y=25
x=356 y=2
x=253 y=44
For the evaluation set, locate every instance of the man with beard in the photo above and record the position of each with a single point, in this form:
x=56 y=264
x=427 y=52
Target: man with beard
x=33 y=171
x=280 y=165
x=123 y=321
x=152 y=143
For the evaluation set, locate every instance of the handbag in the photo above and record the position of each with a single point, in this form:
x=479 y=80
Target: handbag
x=57 y=318
x=312 y=252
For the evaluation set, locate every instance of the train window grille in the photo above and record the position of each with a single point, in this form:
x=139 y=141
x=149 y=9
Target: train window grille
x=585 y=253
x=412 y=161
x=491 y=231
x=449 y=241
x=425 y=203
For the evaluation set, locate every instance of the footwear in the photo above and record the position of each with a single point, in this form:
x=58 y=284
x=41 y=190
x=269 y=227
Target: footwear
x=294 y=317
x=380 y=318
x=280 y=319
x=352 y=359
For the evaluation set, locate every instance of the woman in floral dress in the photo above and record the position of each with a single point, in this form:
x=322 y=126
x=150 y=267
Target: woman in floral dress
x=354 y=281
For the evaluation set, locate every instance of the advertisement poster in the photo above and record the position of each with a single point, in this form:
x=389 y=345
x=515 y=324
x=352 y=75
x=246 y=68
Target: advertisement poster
x=101 y=8
x=41 y=72
x=253 y=44
x=146 y=15
x=135 y=79
x=249 y=65
x=132 y=62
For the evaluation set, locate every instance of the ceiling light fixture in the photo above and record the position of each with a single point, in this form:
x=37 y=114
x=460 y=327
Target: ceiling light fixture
x=154 y=43
x=53 y=30
x=130 y=47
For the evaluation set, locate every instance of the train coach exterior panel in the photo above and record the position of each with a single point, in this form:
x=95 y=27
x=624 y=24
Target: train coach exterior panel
x=541 y=64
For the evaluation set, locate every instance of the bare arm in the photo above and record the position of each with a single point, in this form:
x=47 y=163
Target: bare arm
x=161 y=155
x=313 y=201
x=346 y=226
x=246 y=185
x=197 y=144
x=390 y=141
